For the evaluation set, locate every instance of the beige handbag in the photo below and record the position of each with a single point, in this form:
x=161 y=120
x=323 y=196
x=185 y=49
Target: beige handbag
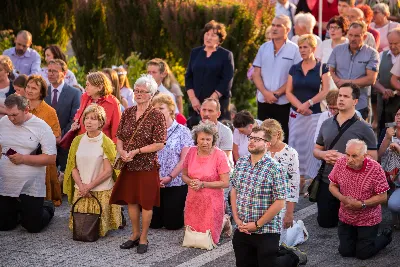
x=200 y=240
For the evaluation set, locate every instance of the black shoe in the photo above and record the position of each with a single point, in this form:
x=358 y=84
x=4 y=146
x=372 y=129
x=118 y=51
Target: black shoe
x=129 y=244
x=142 y=248
x=49 y=206
x=388 y=232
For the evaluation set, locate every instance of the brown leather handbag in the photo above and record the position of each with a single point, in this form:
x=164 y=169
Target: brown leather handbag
x=86 y=226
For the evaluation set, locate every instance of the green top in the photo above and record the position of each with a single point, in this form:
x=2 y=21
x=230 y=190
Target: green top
x=68 y=185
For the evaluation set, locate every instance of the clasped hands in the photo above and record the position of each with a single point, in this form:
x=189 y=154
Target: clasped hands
x=351 y=203
x=304 y=109
x=195 y=184
x=246 y=228
x=84 y=190
x=128 y=156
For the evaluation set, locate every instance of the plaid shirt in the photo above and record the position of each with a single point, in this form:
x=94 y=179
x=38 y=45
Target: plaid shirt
x=257 y=189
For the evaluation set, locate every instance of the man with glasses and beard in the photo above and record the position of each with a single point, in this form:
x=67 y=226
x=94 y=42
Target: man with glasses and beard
x=25 y=59
x=257 y=197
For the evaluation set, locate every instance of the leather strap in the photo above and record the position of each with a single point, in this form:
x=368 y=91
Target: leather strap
x=137 y=128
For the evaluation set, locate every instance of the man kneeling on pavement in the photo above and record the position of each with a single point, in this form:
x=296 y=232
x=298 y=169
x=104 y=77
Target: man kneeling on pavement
x=360 y=184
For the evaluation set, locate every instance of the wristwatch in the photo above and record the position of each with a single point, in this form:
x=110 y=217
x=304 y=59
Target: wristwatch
x=257 y=226
x=363 y=205
x=311 y=102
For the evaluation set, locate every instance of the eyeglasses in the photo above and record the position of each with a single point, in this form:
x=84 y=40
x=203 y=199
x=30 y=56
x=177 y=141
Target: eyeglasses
x=140 y=92
x=53 y=71
x=256 y=139
x=334 y=28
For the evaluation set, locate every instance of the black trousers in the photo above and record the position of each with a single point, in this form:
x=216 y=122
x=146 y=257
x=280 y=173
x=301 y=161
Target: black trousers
x=328 y=207
x=277 y=112
x=362 y=242
x=28 y=211
x=260 y=250
x=170 y=212
x=62 y=157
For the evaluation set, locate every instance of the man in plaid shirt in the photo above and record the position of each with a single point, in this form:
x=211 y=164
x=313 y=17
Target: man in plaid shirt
x=258 y=195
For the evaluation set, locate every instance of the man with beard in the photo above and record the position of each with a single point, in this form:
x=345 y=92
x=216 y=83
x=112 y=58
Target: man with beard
x=335 y=132
x=25 y=59
x=355 y=63
x=257 y=197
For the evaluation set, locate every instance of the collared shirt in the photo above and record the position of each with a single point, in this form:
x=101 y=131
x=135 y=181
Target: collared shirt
x=350 y=67
x=392 y=57
x=162 y=89
x=28 y=63
x=257 y=188
x=361 y=185
x=288 y=9
x=396 y=67
x=275 y=67
x=59 y=89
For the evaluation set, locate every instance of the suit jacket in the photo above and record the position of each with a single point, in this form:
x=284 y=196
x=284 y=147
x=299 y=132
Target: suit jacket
x=67 y=105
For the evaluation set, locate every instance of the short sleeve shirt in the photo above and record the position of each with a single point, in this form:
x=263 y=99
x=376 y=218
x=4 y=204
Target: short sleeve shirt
x=361 y=185
x=275 y=67
x=307 y=86
x=330 y=129
x=24 y=179
x=225 y=137
x=350 y=67
x=152 y=130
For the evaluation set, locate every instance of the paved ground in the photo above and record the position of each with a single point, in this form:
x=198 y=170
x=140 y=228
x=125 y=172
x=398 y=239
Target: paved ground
x=55 y=247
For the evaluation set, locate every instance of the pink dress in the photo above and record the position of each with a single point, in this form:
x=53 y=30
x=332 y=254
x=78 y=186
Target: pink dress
x=204 y=209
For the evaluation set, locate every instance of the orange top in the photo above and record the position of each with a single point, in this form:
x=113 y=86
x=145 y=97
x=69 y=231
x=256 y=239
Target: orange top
x=113 y=114
x=49 y=115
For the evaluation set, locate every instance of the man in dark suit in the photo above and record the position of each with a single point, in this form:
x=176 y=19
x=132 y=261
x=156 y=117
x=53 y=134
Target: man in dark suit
x=64 y=99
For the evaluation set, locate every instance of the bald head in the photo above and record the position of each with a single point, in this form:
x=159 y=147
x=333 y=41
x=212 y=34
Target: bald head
x=355 y=14
x=22 y=42
x=25 y=35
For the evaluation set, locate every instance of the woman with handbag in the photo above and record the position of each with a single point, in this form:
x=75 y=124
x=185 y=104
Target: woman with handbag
x=141 y=134
x=288 y=157
x=89 y=173
x=206 y=172
x=99 y=90
x=304 y=92
x=173 y=190
x=35 y=92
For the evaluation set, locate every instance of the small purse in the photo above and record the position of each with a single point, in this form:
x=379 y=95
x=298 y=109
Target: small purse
x=195 y=239
x=118 y=163
x=86 y=226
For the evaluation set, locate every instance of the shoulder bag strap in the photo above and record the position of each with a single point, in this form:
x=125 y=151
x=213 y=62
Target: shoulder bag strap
x=137 y=128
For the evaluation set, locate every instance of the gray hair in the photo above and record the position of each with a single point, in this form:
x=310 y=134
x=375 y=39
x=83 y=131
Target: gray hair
x=16 y=100
x=395 y=30
x=383 y=8
x=148 y=81
x=305 y=20
x=25 y=34
x=358 y=142
x=207 y=127
x=286 y=21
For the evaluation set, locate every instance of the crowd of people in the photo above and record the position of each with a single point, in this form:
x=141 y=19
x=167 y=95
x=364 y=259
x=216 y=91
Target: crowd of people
x=328 y=113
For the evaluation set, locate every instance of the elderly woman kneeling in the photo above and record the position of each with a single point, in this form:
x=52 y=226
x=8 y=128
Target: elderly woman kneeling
x=89 y=172
x=206 y=172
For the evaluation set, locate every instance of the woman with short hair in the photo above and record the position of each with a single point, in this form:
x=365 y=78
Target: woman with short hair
x=206 y=172
x=99 y=91
x=141 y=134
x=89 y=171
x=382 y=24
x=20 y=83
x=173 y=190
x=6 y=86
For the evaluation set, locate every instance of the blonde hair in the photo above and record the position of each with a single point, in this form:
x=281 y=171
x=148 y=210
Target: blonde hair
x=7 y=64
x=309 y=38
x=274 y=127
x=123 y=77
x=167 y=100
x=99 y=79
x=169 y=79
x=98 y=111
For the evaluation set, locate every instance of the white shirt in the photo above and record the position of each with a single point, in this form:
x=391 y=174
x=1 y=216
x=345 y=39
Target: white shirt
x=396 y=67
x=24 y=179
x=383 y=31
x=242 y=141
x=324 y=50
x=59 y=89
x=89 y=161
x=129 y=95
x=164 y=90
x=392 y=57
x=225 y=140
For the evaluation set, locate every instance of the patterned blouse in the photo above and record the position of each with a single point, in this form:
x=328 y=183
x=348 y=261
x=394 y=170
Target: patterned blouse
x=178 y=137
x=152 y=130
x=289 y=159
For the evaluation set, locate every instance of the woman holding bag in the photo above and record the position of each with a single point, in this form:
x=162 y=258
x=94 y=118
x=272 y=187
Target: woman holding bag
x=141 y=133
x=89 y=173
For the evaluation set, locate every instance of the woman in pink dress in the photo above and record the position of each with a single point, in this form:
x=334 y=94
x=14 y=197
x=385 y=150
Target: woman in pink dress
x=206 y=172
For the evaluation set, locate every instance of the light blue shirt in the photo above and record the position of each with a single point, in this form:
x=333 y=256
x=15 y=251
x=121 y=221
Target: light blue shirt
x=275 y=68
x=28 y=63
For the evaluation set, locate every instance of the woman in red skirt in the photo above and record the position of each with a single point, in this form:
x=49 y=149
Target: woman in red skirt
x=138 y=185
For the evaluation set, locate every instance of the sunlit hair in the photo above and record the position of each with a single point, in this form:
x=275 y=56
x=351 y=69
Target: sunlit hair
x=306 y=20
x=147 y=81
x=274 y=127
x=6 y=63
x=98 y=111
x=167 y=100
x=123 y=77
x=362 y=146
x=332 y=96
x=383 y=8
x=114 y=82
x=60 y=63
x=99 y=79
x=368 y=13
x=309 y=38
x=267 y=132
x=56 y=51
x=169 y=79
x=161 y=64
x=359 y=24
x=41 y=82
x=205 y=127
x=286 y=21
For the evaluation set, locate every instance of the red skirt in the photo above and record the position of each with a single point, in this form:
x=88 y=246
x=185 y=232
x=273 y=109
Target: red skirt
x=137 y=187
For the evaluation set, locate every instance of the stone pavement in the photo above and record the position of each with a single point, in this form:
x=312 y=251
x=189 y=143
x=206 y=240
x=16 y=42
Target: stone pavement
x=55 y=247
